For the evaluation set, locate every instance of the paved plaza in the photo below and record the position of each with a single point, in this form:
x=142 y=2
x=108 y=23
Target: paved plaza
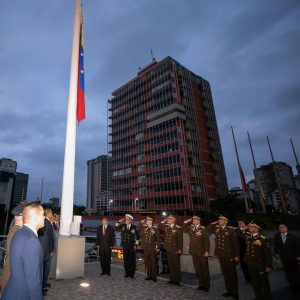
x=118 y=287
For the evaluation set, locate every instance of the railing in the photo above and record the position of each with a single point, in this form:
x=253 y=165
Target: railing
x=2 y=249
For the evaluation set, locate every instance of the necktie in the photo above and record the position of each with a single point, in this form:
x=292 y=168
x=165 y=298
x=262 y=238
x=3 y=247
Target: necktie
x=283 y=238
x=128 y=227
x=104 y=229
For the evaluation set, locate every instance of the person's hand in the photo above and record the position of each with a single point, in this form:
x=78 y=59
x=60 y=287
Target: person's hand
x=52 y=253
x=206 y=254
x=188 y=220
x=178 y=252
x=215 y=222
x=236 y=259
x=268 y=269
x=121 y=220
x=164 y=221
x=143 y=220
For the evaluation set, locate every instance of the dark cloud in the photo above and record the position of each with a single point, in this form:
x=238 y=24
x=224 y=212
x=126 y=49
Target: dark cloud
x=249 y=51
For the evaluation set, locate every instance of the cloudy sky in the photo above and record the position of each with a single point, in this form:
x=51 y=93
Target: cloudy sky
x=248 y=50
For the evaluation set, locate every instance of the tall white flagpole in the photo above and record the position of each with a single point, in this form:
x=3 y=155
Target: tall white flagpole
x=67 y=197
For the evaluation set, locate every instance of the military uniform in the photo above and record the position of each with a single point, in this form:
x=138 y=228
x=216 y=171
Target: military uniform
x=227 y=247
x=173 y=243
x=258 y=257
x=199 y=244
x=150 y=240
x=128 y=240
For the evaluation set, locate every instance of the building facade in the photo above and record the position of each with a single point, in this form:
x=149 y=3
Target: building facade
x=165 y=145
x=277 y=188
x=98 y=182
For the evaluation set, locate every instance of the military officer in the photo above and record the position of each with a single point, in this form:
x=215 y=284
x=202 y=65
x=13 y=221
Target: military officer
x=128 y=241
x=150 y=240
x=199 y=249
x=227 y=250
x=173 y=243
x=258 y=258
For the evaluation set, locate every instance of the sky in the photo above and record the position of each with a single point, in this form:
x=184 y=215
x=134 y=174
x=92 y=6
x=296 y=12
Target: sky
x=249 y=51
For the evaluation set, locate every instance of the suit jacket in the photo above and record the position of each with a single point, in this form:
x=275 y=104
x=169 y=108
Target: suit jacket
x=288 y=251
x=26 y=267
x=108 y=240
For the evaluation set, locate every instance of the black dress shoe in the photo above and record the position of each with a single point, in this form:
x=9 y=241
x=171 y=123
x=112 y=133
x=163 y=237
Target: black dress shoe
x=102 y=273
x=154 y=279
x=236 y=297
x=108 y=274
x=226 y=295
x=126 y=276
x=49 y=285
x=147 y=278
x=200 y=288
x=45 y=290
x=205 y=289
x=177 y=283
x=170 y=282
x=131 y=276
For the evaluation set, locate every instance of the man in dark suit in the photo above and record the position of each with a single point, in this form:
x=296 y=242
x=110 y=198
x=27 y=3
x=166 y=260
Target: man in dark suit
x=46 y=237
x=128 y=241
x=105 y=241
x=287 y=247
x=26 y=253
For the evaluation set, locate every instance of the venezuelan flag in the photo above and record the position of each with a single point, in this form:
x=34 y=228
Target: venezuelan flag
x=80 y=84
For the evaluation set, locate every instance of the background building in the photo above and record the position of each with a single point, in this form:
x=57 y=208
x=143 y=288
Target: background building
x=166 y=152
x=55 y=202
x=13 y=184
x=99 y=182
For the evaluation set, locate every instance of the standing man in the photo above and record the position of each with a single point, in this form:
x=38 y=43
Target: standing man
x=105 y=241
x=17 y=212
x=26 y=264
x=199 y=249
x=150 y=239
x=287 y=247
x=128 y=241
x=46 y=237
x=173 y=243
x=241 y=232
x=228 y=252
x=258 y=258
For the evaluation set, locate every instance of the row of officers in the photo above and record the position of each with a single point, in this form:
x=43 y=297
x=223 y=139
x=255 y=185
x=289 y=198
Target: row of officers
x=243 y=245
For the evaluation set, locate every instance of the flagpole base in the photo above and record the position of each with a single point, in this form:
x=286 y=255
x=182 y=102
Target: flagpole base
x=69 y=262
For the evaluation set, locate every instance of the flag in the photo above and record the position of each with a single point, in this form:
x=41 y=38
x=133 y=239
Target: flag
x=80 y=83
x=243 y=179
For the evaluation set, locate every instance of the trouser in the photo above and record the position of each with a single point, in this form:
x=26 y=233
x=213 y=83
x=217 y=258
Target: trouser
x=291 y=271
x=174 y=266
x=46 y=270
x=260 y=283
x=202 y=270
x=228 y=268
x=164 y=261
x=105 y=259
x=245 y=271
x=150 y=263
x=129 y=261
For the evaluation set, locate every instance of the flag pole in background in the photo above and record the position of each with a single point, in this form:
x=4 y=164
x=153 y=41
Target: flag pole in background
x=243 y=180
x=67 y=198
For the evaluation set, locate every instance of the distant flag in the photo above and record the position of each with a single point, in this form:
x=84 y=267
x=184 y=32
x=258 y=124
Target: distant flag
x=243 y=179
x=80 y=84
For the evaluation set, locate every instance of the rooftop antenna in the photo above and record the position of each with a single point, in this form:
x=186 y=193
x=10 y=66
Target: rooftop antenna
x=152 y=55
x=272 y=156
x=296 y=158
